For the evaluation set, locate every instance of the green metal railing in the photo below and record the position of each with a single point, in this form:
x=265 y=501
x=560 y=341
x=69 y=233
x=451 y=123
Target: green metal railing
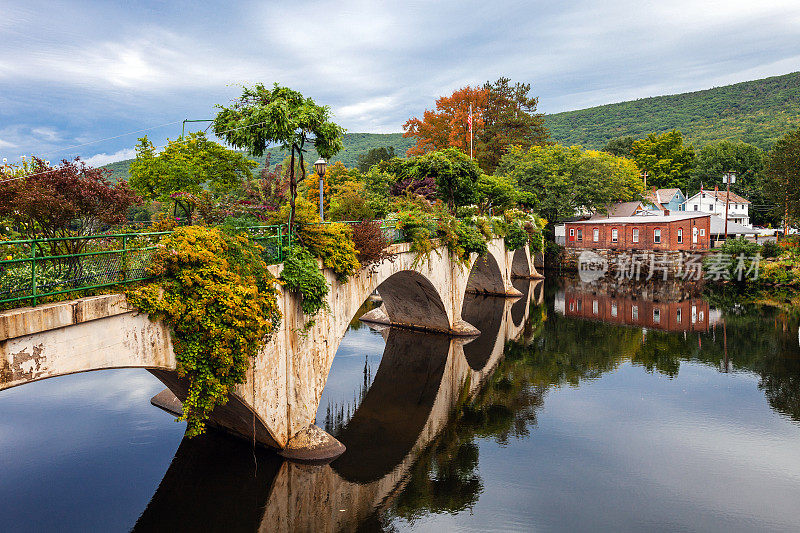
x=34 y=269
x=275 y=240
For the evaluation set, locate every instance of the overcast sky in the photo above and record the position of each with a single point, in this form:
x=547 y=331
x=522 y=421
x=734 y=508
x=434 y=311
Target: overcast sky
x=76 y=72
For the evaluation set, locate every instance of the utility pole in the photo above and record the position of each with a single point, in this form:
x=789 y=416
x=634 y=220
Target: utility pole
x=728 y=177
x=786 y=214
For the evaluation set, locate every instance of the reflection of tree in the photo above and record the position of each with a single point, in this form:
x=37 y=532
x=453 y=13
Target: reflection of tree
x=571 y=350
x=337 y=415
x=567 y=351
x=443 y=479
x=764 y=341
x=661 y=351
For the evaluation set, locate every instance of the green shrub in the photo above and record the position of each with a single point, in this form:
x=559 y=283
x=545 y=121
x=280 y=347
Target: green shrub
x=417 y=228
x=302 y=275
x=516 y=237
x=471 y=239
x=770 y=249
x=738 y=246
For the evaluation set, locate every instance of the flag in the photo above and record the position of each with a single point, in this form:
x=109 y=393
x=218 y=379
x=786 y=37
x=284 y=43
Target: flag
x=469 y=119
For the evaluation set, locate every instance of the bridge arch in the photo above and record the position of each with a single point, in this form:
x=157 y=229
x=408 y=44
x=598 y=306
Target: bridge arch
x=410 y=299
x=485 y=277
x=285 y=382
x=520 y=263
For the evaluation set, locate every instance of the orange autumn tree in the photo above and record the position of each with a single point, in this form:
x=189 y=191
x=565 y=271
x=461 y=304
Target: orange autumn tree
x=503 y=114
x=448 y=125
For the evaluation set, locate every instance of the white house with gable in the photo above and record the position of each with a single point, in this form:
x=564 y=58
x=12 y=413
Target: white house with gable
x=713 y=202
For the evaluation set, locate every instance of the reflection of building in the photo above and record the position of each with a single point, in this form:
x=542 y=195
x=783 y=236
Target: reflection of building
x=687 y=315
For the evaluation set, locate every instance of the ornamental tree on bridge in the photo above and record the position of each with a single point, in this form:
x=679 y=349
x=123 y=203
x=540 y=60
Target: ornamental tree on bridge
x=280 y=115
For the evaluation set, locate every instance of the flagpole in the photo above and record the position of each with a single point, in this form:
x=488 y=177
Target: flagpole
x=470 y=130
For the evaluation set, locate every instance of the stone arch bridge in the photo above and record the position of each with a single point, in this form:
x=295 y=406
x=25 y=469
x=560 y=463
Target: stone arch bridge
x=277 y=404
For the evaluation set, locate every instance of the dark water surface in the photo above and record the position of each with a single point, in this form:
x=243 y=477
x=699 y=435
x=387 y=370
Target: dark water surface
x=595 y=408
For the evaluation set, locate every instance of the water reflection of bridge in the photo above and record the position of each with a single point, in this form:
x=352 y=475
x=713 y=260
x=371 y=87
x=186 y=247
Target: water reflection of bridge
x=662 y=310
x=422 y=378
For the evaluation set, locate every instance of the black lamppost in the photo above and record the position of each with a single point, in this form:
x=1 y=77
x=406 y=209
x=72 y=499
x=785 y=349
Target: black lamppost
x=319 y=167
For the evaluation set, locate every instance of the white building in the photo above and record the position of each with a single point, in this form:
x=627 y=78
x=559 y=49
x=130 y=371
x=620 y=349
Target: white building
x=713 y=202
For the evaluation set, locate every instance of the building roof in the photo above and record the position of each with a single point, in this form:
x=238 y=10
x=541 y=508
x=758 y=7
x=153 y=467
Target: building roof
x=645 y=219
x=619 y=209
x=720 y=195
x=652 y=198
x=665 y=195
x=718 y=227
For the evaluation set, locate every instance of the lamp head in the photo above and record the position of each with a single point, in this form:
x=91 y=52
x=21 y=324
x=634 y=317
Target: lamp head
x=319 y=167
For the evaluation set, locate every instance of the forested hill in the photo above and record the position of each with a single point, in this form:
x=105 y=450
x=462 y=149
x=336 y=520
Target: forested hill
x=757 y=112
x=355 y=144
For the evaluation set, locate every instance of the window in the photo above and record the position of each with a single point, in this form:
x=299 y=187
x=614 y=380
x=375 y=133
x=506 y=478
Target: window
x=702 y=232
x=614 y=309
x=595 y=307
x=656 y=236
x=635 y=312
x=580 y=305
x=678 y=316
x=695 y=207
x=596 y=234
x=656 y=316
x=571 y=232
x=614 y=235
x=635 y=237
x=700 y=316
x=580 y=234
x=680 y=235
x=694 y=235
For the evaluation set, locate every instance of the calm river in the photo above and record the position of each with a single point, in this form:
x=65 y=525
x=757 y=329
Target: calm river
x=596 y=408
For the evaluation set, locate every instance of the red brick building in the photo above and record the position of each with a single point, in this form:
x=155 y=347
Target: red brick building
x=681 y=231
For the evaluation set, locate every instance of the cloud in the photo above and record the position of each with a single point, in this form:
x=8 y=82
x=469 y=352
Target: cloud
x=98 y=160
x=96 y=70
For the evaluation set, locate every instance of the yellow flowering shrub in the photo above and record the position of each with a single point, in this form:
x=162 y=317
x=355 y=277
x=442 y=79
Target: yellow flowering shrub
x=214 y=291
x=333 y=243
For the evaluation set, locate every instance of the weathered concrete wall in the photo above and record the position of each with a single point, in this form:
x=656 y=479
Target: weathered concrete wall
x=90 y=334
x=285 y=382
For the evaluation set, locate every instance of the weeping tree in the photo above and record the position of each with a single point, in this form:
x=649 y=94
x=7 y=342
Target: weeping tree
x=262 y=117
